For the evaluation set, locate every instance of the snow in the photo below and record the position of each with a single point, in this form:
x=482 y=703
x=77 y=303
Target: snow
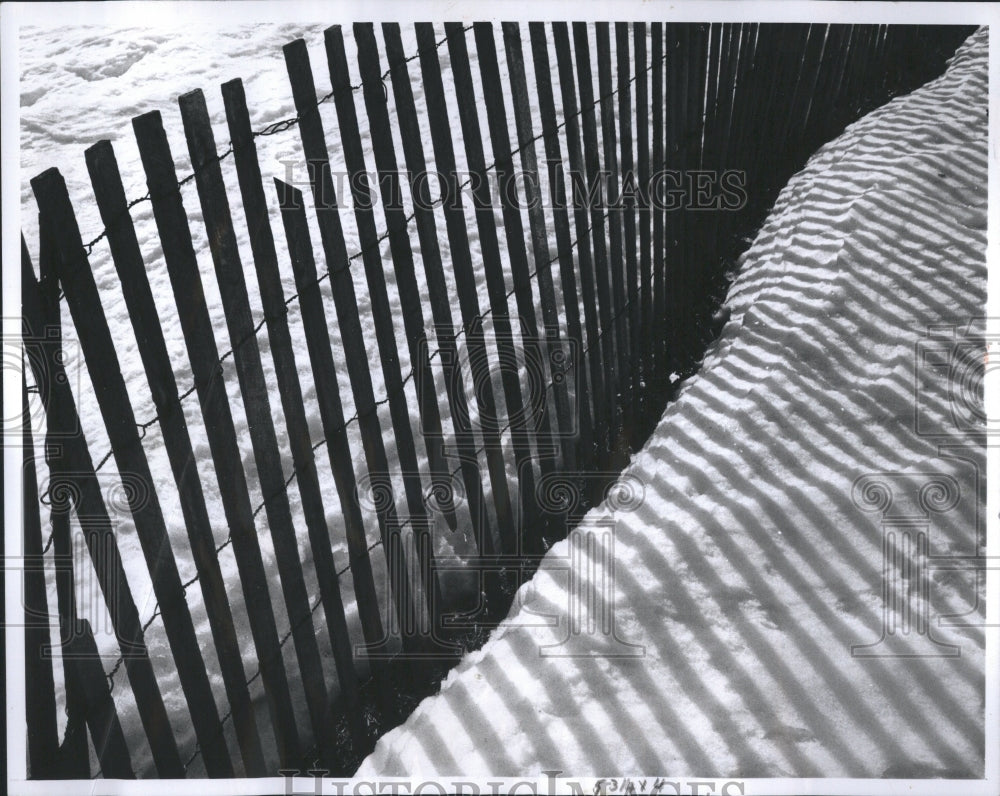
x=83 y=84
x=748 y=570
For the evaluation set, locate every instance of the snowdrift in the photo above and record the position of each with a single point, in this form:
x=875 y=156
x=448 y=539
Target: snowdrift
x=745 y=563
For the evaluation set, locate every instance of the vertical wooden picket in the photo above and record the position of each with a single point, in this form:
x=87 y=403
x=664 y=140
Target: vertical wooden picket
x=437 y=287
x=515 y=537
x=43 y=339
x=602 y=400
x=331 y=409
x=629 y=207
x=255 y=390
x=72 y=472
x=535 y=424
x=597 y=188
x=355 y=353
x=112 y=204
x=616 y=259
x=465 y=283
x=661 y=328
x=196 y=325
x=551 y=334
x=287 y=374
x=646 y=339
x=575 y=362
x=354 y=157
x=73 y=271
x=413 y=320
x=40 y=698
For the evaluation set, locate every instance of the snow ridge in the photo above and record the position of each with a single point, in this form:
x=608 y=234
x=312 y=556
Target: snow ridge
x=744 y=570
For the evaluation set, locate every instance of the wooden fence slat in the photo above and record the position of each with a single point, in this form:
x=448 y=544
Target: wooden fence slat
x=679 y=227
x=717 y=242
x=599 y=393
x=517 y=256
x=355 y=352
x=575 y=363
x=764 y=62
x=331 y=409
x=787 y=41
x=836 y=112
x=196 y=325
x=389 y=179
x=77 y=280
x=629 y=208
x=127 y=256
x=816 y=64
x=503 y=165
x=512 y=537
x=73 y=760
x=645 y=216
x=102 y=718
x=328 y=392
x=729 y=89
x=783 y=44
x=75 y=473
x=677 y=71
x=872 y=62
x=256 y=391
x=790 y=138
x=596 y=183
x=749 y=82
x=706 y=234
x=437 y=287
x=539 y=242
x=907 y=37
x=276 y=311
x=717 y=33
x=39 y=694
x=740 y=94
x=385 y=333
x=697 y=269
x=846 y=93
x=861 y=44
x=760 y=60
x=465 y=281
x=616 y=258
x=674 y=212
x=74 y=753
x=834 y=56
x=661 y=328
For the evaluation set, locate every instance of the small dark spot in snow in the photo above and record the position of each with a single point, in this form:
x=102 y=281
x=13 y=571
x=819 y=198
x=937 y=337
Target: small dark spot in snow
x=789 y=734
x=846 y=605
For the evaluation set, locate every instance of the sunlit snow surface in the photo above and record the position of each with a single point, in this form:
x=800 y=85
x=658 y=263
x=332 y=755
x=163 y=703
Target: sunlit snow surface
x=750 y=570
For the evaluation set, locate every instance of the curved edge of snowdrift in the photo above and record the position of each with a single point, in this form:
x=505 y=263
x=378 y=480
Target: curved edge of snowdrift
x=745 y=575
